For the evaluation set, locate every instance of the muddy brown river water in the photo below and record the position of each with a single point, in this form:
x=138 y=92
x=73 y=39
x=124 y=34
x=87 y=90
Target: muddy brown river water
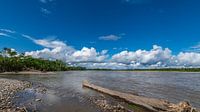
x=65 y=92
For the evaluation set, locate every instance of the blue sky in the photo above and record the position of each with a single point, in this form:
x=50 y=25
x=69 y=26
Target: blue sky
x=112 y=25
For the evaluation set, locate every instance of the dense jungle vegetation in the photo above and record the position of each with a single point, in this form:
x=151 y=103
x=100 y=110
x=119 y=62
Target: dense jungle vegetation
x=11 y=61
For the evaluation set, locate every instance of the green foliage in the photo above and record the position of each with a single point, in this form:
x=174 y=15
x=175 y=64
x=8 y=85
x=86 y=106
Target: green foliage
x=27 y=63
x=9 y=51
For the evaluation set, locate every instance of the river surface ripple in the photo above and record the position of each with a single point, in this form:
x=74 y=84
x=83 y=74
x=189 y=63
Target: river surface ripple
x=65 y=90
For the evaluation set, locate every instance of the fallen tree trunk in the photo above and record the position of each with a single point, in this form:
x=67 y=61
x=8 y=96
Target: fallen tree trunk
x=155 y=105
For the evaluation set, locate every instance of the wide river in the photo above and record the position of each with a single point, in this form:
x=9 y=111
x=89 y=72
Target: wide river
x=65 y=90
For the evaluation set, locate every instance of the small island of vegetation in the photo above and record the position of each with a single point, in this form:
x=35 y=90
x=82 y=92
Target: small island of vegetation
x=11 y=61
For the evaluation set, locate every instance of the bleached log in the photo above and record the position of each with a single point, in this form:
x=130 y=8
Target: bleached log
x=152 y=104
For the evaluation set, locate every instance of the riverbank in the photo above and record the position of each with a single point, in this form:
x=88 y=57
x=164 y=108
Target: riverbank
x=63 y=91
x=7 y=90
x=190 y=70
x=36 y=72
x=152 y=104
x=27 y=73
x=143 y=71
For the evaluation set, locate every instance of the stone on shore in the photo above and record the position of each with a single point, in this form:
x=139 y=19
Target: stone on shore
x=152 y=104
x=8 y=88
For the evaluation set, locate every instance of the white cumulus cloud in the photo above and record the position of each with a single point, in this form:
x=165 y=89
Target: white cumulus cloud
x=143 y=57
x=157 y=57
x=55 y=49
x=188 y=59
x=88 y=55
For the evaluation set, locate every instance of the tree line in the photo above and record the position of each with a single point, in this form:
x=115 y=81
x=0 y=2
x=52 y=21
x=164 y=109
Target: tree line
x=11 y=61
x=167 y=69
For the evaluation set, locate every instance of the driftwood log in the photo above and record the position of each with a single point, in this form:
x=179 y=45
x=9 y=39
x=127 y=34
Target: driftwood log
x=152 y=104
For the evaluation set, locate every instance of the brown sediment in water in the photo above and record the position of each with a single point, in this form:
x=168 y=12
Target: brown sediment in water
x=152 y=104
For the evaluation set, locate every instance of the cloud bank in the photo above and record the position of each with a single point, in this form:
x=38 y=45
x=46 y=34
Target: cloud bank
x=55 y=49
x=157 y=57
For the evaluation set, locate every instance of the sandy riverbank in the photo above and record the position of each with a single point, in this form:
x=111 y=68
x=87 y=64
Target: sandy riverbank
x=27 y=72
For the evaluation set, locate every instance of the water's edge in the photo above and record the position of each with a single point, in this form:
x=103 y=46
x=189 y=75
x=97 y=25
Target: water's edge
x=64 y=89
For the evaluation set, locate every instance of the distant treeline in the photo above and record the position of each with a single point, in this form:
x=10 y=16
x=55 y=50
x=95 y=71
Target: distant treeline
x=156 y=69
x=171 y=69
x=167 y=69
x=10 y=61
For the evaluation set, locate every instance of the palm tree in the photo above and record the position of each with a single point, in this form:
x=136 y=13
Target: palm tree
x=10 y=52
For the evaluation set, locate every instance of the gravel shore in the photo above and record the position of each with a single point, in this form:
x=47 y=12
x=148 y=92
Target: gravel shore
x=8 y=88
x=27 y=73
